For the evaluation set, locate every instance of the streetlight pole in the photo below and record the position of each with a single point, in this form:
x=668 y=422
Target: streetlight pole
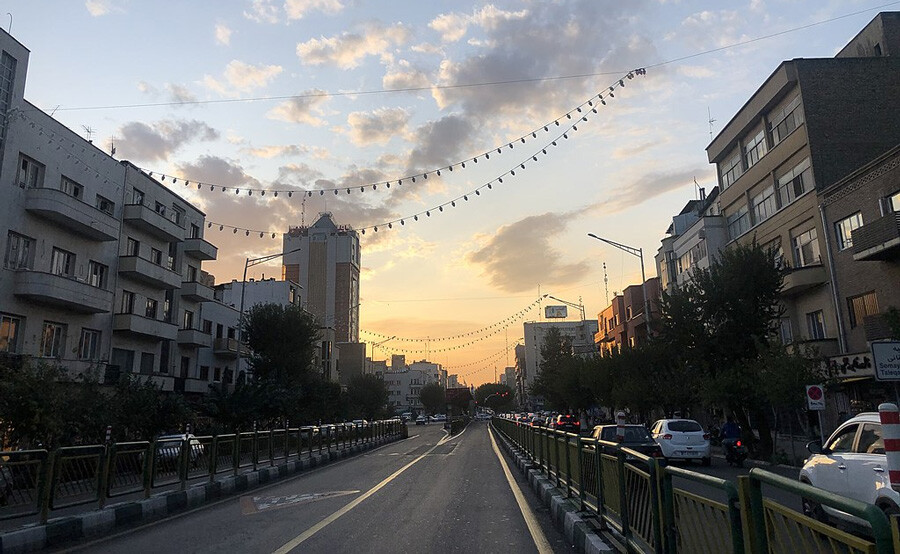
x=639 y=253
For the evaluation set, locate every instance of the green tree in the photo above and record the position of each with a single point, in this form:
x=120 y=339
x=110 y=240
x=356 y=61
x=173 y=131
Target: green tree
x=495 y=396
x=282 y=341
x=432 y=397
x=367 y=396
x=556 y=363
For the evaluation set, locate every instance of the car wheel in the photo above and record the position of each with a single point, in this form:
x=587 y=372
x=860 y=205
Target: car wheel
x=889 y=509
x=706 y=462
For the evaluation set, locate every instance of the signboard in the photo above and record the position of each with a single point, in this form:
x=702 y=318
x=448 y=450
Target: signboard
x=886 y=356
x=815 y=397
x=555 y=312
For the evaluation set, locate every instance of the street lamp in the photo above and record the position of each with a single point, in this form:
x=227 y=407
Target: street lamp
x=638 y=252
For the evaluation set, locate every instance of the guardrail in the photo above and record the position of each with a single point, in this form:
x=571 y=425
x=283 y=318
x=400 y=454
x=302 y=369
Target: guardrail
x=37 y=482
x=635 y=496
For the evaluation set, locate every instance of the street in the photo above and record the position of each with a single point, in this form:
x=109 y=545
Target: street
x=423 y=494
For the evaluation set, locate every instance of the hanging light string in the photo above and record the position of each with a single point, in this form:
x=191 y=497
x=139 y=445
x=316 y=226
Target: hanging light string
x=492 y=358
x=578 y=113
x=509 y=319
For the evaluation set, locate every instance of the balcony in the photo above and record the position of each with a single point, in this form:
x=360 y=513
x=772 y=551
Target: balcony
x=158 y=225
x=200 y=249
x=62 y=291
x=144 y=326
x=194 y=337
x=196 y=292
x=149 y=273
x=194 y=385
x=73 y=214
x=876 y=327
x=798 y=280
x=227 y=348
x=816 y=348
x=878 y=240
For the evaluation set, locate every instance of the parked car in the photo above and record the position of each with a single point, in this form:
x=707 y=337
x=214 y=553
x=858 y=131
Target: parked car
x=852 y=463
x=168 y=449
x=636 y=438
x=439 y=417
x=421 y=420
x=682 y=439
x=568 y=423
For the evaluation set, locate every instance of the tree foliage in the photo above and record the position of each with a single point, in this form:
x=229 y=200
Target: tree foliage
x=367 y=396
x=495 y=396
x=432 y=397
x=282 y=341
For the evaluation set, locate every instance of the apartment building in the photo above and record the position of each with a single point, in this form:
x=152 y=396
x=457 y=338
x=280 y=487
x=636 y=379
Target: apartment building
x=405 y=386
x=622 y=322
x=810 y=124
x=581 y=334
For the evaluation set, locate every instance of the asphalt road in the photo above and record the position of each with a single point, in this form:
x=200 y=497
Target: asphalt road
x=422 y=494
x=722 y=470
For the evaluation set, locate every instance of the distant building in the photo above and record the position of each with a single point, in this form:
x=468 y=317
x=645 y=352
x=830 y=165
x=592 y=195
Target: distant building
x=453 y=381
x=405 y=386
x=581 y=334
x=622 y=322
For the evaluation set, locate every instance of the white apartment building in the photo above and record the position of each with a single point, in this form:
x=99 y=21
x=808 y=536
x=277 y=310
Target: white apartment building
x=581 y=334
x=405 y=386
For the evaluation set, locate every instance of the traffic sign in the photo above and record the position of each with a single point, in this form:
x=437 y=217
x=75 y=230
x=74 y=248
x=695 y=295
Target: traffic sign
x=886 y=356
x=815 y=397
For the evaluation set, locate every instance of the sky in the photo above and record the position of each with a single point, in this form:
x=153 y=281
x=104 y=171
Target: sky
x=331 y=96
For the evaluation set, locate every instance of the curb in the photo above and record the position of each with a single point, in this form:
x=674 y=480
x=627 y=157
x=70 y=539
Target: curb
x=59 y=531
x=564 y=512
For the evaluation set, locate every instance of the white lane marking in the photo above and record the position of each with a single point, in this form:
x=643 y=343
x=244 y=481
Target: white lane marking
x=302 y=537
x=540 y=541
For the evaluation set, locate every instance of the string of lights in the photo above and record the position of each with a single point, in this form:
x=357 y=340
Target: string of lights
x=488 y=360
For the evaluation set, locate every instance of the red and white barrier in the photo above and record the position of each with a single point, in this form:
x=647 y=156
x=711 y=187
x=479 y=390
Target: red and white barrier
x=890 y=432
x=620 y=426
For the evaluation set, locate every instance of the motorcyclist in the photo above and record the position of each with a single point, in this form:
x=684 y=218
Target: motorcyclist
x=731 y=431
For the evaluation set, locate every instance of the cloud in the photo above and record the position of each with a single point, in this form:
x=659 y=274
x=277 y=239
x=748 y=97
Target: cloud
x=648 y=186
x=219 y=171
x=141 y=141
x=296 y=9
x=268 y=152
x=263 y=11
x=453 y=27
x=177 y=94
x=301 y=109
x=517 y=253
x=440 y=142
x=377 y=127
x=223 y=34
x=242 y=77
x=98 y=8
x=630 y=151
x=404 y=77
x=347 y=50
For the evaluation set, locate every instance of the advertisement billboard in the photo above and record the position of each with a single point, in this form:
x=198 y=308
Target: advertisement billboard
x=555 y=312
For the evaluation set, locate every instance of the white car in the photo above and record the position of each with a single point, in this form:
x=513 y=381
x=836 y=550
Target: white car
x=439 y=417
x=851 y=464
x=682 y=439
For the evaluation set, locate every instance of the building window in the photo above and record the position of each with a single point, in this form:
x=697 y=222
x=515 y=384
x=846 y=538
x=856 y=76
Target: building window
x=861 y=306
x=156 y=256
x=191 y=274
x=784 y=330
x=137 y=197
x=150 y=310
x=627 y=313
x=738 y=223
x=89 y=345
x=217 y=374
x=756 y=148
x=844 y=228
x=97 y=274
x=105 y=205
x=204 y=373
x=160 y=209
x=7 y=80
x=132 y=247
x=806 y=248
x=31 y=173
x=195 y=231
x=815 y=325
x=71 y=188
x=19 y=251
x=127 y=302
x=731 y=169
x=53 y=340
x=764 y=205
x=62 y=262
x=10 y=326
x=894 y=202
x=177 y=215
x=207 y=326
x=795 y=182
x=188 y=322
x=785 y=120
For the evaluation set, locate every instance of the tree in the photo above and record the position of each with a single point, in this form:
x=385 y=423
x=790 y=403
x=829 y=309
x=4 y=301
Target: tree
x=556 y=359
x=282 y=341
x=495 y=396
x=367 y=396
x=432 y=397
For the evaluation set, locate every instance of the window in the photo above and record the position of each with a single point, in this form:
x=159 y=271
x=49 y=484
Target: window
x=191 y=274
x=217 y=374
x=292 y=295
x=730 y=170
x=177 y=215
x=756 y=148
x=71 y=188
x=870 y=439
x=627 y=313
x=207 y=326
x=147 y=363
x=188 y=322
x=97 y=274
x=815 y=325
x=167 y=307
x=137 y=197
x=127 y=302
x=160 y=209
x=784 y=121
x=89 y=345
x=10 y=326
x=204 y=372
x=7 y=80
x=19 y=251
x=105 y=205
x=132 y=247
x=806 y=248
x=195 y=231
x=784 y=330
x=156 y=256
x=764 y=205
x=843 y=442
x=31 y=173
x=53 y=340
x=844 y=228
x=795 y=182
x=893 y=202
x=185 y=366
x=861 y=306
x=62 y=262
x=151 y=307
x=738 y=222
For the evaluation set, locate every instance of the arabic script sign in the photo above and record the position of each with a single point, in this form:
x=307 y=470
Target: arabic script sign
x=886 y=356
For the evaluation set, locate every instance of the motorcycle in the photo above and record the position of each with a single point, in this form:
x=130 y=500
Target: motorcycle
x=735 y=452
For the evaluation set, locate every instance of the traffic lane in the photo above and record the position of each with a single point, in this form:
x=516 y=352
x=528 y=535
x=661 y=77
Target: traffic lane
x=264 y=519
x=722 y=470
x=457 y=499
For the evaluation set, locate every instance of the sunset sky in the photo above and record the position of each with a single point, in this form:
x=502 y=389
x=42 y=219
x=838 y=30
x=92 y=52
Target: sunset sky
x=325 y=95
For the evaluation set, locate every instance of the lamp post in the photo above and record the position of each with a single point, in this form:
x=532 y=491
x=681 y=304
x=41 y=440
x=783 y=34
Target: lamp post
x=639 y=253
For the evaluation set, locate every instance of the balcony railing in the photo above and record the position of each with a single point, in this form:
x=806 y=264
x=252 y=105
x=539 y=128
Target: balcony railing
x=196 y=292
x=798 y=280
x=194 y=337
x=226 y=347
x=878 y=240
x=142 y=217
x=200 y=249
x=73 y=214
x=144 y=326
x=62 y=291
x=147 y=272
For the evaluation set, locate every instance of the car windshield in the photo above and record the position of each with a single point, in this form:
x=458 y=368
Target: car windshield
x=684 y=426
x=632 y=434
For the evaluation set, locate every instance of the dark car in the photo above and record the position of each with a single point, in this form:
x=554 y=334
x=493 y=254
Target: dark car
x=568 y=423
x=637 y=438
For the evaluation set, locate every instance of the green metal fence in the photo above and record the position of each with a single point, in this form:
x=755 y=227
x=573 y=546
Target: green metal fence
x=36 y=482
x=636 y=498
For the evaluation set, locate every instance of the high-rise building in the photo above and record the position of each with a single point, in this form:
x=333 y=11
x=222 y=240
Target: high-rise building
x=324 y=259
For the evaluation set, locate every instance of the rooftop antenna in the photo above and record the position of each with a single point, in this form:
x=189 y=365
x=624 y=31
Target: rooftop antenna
x=710 y=120
x=606 y=282
x=696 y=187
x=88 y=133
x=10 y=23
x=112 y=146
x=303 y=211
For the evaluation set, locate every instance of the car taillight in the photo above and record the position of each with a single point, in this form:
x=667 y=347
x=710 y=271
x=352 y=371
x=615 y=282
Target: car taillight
x=738 y=443
x=667 y=437
x=706 y=436
x=577 y=424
